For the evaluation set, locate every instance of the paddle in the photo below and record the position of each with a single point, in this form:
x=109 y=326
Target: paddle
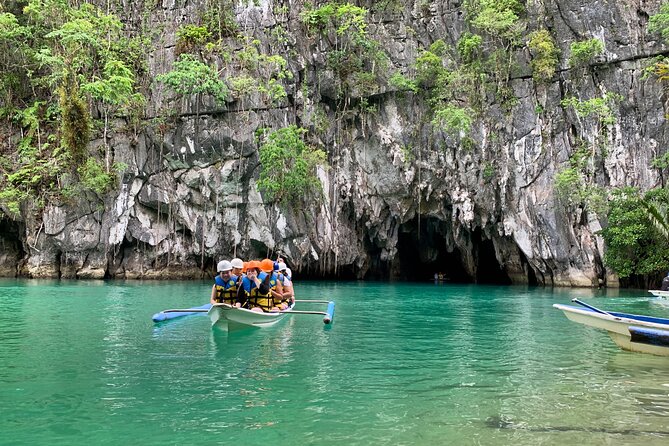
x=313 y=301
x=175 y=313
x=194 y=310
x=299 y=312
x=329 y=314
x=597 y=310
x=184 y=310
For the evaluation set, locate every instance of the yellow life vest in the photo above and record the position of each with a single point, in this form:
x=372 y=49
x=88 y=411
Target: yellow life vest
x=264 y=301
x=226 y=295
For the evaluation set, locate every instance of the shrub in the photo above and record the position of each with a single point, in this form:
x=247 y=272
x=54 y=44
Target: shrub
x=191 y=38
x=402 y=83
x=190 y=76
x=453 y=120
x=93 y=176
x=659 y=23
x=499 y=18
x=568 y=185
x=75 y=124
x=469 y=47
x=582 y=53
x=600 y=108
x=288 y=166
x=544 y=55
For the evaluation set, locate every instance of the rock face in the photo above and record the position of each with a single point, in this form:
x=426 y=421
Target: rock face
x=400 y=201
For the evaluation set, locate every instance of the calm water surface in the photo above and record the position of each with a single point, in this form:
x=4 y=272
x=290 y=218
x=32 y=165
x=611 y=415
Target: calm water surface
x=403 y=364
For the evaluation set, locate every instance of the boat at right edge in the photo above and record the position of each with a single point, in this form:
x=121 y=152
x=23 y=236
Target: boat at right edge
x=659 y=293
x=630 y=332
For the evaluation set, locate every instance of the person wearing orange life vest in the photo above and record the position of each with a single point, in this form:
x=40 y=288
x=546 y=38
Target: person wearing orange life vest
x=275 y=285
x=226 y=285
x=256 y=289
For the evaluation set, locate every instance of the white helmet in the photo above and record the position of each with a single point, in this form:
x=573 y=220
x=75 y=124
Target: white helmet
x=282 y=266
x=224 y=265
x=237 y=263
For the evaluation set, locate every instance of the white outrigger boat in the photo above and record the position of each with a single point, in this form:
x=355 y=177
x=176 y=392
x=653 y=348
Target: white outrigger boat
x=660 y=293
x=226 y=316
x=631 y=332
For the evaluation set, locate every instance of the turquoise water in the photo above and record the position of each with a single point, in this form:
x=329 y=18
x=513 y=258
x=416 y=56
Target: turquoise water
x=403 y=364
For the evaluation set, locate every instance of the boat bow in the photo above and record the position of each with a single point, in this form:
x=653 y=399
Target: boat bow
x=621 y=327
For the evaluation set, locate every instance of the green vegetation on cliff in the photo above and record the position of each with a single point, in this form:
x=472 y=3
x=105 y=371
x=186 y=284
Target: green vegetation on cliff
x=356 y=59
x=544 y=55
x=288 y=166
x=636 y=236
x=637 y=233
x=60 y=61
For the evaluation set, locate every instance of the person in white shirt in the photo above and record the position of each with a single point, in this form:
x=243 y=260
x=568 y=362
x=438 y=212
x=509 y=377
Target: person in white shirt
x=286 y=281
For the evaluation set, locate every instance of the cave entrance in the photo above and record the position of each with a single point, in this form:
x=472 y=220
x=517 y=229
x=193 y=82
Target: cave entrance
x=11 y=247
x=424 y=253
x=488 y=269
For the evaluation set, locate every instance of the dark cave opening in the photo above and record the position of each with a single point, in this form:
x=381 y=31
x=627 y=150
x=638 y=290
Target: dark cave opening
x=59 y=263
x=9 y=233
x=118 y=256
x=258 y=250
x=11 y=246
x=378 y=269
x=425 y=252
x=532 y=279
x=488 y=269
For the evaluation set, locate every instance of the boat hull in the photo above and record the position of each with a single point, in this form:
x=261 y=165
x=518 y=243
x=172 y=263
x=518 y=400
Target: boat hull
x=227 y=317
x=659 y=293
x=618 y=326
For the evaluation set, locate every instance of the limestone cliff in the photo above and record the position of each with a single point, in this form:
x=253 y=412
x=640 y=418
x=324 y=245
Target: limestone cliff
x=401 y=200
